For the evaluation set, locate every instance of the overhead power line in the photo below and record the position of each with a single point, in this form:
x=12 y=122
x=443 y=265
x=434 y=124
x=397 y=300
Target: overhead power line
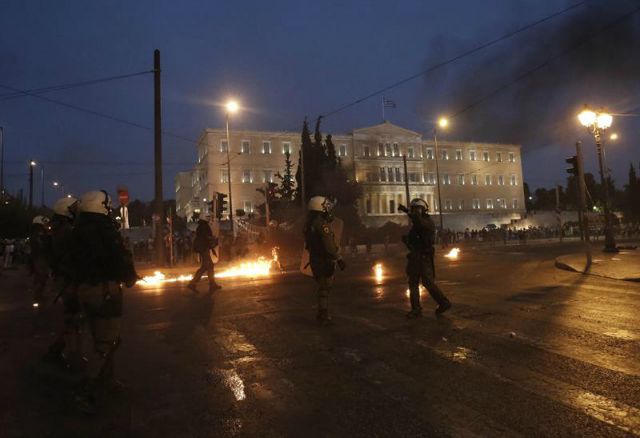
x=453 y=59
x=8 y=96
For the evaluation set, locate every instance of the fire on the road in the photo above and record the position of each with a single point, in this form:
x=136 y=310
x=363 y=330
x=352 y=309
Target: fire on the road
x=453 y=254
x=377 y=269
x=248 y=269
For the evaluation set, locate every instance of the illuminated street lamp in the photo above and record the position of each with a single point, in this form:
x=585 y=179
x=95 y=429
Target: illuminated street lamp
x=231 y=107
x=443 y=122
x=597 y=123
x=613 y=136
x=32 y=164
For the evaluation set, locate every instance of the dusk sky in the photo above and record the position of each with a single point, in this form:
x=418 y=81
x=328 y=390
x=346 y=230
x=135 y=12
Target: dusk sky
x=284 y=60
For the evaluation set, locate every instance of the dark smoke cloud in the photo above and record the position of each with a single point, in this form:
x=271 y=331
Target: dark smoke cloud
x=541 y=108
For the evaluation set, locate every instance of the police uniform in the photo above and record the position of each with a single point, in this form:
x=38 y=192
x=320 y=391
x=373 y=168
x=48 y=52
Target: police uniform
x=323 y=250
x=40 y=246
x=61 y=268
x=101 y=264
x=420 y=260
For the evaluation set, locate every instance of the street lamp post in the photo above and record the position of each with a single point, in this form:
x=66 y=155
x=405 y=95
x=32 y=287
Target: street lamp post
x=32 y=164
x=231 y=108
x=597 y=123
x=443 y=123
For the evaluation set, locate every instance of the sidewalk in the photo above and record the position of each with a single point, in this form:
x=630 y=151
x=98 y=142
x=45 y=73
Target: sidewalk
x=624 y=265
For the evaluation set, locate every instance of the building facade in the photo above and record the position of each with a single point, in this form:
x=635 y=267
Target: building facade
x=480 y=183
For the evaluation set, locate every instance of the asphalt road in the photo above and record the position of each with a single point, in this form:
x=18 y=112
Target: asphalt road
x=527 y=350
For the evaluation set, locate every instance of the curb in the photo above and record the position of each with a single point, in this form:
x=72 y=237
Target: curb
x=567 y=267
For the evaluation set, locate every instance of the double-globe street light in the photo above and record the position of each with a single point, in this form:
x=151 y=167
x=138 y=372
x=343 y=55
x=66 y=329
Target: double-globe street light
x=597 y=122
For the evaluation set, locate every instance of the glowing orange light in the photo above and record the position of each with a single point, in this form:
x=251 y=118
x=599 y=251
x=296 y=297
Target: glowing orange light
x=378 y=272
x=453 y=254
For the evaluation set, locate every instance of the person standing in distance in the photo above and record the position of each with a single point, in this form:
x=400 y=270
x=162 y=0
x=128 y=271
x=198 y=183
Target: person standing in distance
x=323 y=249
x=39 y=256
x=420 y=260
x=204 y=243
x=101 y=266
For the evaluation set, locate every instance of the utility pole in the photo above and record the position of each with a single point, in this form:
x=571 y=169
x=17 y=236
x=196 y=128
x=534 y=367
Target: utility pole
x=42 y=186
x=1 y=162
x=233 y=234
x=406 y=184
x=31 y=164
x=157 y=133
x=435 y=141
x=582 y=202
x=302 y=188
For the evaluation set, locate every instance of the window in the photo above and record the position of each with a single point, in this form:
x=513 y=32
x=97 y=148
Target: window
x=366 y=151
x=474 y=180
x=224 y=145
x=476 y=204
x=411 y=153
x=398 y=178
x=389 y=174
x=500 y=180
x=446 y=180
x=268 y=176
x=392 y=206
x=514 y=204
x=429 y=154
x=472 y=155
x=444 y=154
x=431 y=178
x=368 y=206
x=248 y=207
x=501 y=202
x=396 y=150
x=380 y=150
x=245 y=147
x=266 y=147
x=489 y=203
x=512 y=157
x=487 y=180
x=485 y=156
x=342 y=151
x=461 y=179
x=246 y=176
x=286 y=147
x=499 y=157
x=224 y=176
x=383 y=174
x=372 y=177
x=513 y=181
x=387 y=150
x=458 y=154
x=461 y=204
x=448 y=205
x=414 y=177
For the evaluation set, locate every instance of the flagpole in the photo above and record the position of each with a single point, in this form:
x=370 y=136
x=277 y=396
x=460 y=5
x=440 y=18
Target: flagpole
x=383 y=119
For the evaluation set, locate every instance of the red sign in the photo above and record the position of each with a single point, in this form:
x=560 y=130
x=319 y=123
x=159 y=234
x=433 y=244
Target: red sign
x=123 y=195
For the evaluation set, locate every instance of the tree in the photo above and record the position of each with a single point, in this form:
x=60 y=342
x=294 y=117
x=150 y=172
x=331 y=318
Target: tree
x=631 y=205
x=527 y=194
x=285 y=191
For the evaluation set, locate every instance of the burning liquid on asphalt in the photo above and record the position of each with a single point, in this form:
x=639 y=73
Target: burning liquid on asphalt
x=453 y=254
x=377 y=269
x=247 y=269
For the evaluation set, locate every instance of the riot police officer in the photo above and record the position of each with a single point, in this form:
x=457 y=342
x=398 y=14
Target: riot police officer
x=101 y=265
x=420 y=260
x=321 y=243
x=39 y=256
x=64 y=212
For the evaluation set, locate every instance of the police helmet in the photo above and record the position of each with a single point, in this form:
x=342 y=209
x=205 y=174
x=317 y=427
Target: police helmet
x=419 y=203
x=65 y=207
x=321 y=204
x=40 y=220
x=97 y=201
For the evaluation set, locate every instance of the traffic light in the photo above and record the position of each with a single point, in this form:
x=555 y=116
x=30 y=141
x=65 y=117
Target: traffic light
x=221 y=204
x=574 y=165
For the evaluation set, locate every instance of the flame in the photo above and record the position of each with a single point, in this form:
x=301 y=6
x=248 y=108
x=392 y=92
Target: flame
x=378 y=272
x=453 y=254
x=250 y=269
x=257 y=268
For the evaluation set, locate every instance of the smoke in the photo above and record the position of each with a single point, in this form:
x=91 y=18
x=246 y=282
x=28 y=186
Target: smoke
x=540 y=109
